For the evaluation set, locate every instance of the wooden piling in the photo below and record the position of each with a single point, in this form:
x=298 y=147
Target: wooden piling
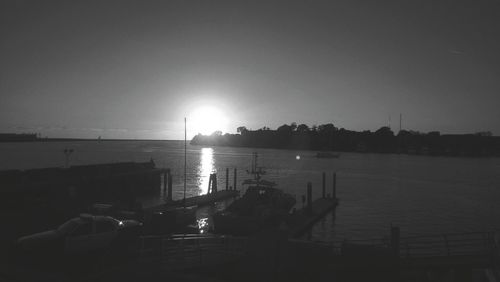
x=235 y=173
x=324 y=185
x=227 y=179
x=309 y=198
x=210 y=179
x=212 y=184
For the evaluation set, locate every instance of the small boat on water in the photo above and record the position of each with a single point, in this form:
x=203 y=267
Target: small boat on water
x=262 y=206
x=327 y=155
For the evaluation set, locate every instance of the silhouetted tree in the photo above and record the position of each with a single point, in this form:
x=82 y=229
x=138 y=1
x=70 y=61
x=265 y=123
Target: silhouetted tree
x=303 y=128
x=241 y=129
x=327 y=136
x=285 y=128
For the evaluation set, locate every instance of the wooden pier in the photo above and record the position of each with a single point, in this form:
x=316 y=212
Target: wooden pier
x=213 y=194
x=200 y=200
x=303 y=220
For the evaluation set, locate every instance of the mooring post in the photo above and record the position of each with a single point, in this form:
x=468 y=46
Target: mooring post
x=309 y=198
x=324 y=185
x=234 y=186
x=227 y=178
x=395 y=239
x=209 y=184
x=334 y=192
x=169 y=185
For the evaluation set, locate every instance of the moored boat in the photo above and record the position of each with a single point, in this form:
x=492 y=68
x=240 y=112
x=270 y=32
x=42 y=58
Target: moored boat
x=262 y=206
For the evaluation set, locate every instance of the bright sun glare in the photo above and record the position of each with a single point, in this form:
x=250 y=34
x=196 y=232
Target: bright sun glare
x=206 y=120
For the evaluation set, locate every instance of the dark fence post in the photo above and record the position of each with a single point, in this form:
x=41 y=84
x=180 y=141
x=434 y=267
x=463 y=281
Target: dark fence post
x=334 y=192
x=164 y=186
x=309 y=198
x=235 y=173
x=446 y=244
x=395 y=239
x=227 y=178
x=169 y=185
x=214 y=184
x=324 y=185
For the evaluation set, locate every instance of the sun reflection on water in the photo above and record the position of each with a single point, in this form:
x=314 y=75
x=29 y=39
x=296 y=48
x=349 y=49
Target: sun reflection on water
x=205 y=168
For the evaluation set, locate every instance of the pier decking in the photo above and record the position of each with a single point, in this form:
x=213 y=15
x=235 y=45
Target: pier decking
x=200 y=200
x=302 y=220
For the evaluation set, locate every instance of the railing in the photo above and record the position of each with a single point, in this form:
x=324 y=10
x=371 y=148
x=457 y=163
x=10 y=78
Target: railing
x=453 y=244
x=458 y=244
x=192 y=250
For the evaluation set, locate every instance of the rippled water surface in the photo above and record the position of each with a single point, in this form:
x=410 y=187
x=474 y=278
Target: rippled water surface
x=419 y=193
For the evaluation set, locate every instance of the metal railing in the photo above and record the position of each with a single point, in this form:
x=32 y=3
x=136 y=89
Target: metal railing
x=192 y=250
x=455 y=244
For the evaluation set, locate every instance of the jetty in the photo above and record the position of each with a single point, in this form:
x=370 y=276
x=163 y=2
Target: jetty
x=213 y=193
x=301 y=221
x=80 y=184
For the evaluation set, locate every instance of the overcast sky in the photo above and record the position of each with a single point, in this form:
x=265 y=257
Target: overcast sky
x=134 y=69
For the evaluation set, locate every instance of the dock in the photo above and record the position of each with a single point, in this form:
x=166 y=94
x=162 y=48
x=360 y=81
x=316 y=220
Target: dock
x=301 y=221
x=200 y=200
x=213 y=194
x=206 y=199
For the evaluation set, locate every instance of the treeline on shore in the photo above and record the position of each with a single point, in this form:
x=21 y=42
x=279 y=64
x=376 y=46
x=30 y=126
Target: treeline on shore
x=18 y=137
x=327 y=137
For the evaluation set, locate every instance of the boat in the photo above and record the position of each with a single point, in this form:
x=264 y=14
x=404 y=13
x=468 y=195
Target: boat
x=262 y=206
x=327 y=155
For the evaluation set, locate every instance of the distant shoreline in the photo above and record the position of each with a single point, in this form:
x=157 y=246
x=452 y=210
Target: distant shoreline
x=80 y=139
x=328 y=138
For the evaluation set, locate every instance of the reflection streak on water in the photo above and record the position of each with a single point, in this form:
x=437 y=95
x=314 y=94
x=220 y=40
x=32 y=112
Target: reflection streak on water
x=205 y=168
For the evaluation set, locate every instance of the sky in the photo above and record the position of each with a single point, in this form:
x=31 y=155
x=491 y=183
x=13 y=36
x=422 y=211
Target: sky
x=135 y=69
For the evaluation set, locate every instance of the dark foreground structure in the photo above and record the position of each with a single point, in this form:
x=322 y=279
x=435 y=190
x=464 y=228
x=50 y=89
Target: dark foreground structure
x=274 y=254
x=36 y=200
x=271 y=256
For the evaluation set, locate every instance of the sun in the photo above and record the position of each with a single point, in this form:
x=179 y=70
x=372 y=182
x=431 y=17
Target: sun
x=206 y=120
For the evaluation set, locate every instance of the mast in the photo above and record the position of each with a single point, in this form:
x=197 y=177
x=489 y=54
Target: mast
x=185 y=161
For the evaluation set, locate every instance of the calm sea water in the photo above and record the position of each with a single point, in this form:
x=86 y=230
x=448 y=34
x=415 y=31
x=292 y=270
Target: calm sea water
x=421 y=194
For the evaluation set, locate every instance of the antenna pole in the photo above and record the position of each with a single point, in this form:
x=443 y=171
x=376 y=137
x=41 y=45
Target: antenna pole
x=185 y=162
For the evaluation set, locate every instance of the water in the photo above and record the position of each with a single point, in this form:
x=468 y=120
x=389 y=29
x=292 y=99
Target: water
x=422 y=195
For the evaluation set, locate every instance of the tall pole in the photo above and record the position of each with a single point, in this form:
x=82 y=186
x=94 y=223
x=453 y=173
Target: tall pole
x=185 y=161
